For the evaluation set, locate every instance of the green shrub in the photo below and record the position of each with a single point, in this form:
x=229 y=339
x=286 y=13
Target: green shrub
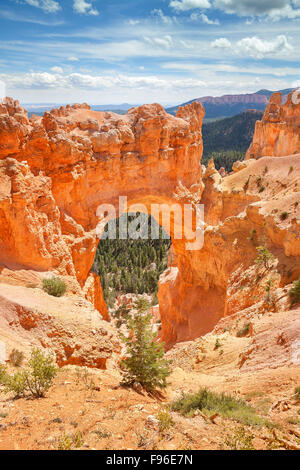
x=297 y=393
x=218 y=344
x=36 y=380
x=240 y=439
x=55 y=286
x=16 y=357
x=295 y=292
x=265 y=257
x=210 y=402
x=284 y=215
x=165 y=420
x=244 y=330
x=16 y=383
x=42 y=371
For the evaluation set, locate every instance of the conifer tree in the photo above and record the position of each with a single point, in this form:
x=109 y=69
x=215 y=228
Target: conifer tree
x=145 y=363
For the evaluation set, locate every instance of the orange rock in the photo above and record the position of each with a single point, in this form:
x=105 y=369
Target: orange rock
x=278 y=134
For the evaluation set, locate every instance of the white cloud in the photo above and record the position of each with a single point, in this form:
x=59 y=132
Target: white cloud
x=273 y=9
x=85 y=8
x=258 y=48
x=57 y=70
x=2 y=90
x=160 y=14
x=204 y=18
x=166 y=41
x=44 y=80
x=254 y=46
x=48 y=6
x=221 y=43
x=186 y=5
x=73 y=59
x=132 y=22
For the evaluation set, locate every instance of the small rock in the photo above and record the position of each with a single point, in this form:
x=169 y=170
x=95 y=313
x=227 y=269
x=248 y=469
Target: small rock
x=152 y=422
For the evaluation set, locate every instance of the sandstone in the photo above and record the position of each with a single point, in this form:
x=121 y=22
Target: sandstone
x=278 y=133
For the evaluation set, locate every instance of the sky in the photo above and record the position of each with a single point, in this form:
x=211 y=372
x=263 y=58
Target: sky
x=135 y=51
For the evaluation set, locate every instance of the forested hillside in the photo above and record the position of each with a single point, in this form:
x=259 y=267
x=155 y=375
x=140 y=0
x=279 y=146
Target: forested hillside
x=228 y=139
x=131 y=266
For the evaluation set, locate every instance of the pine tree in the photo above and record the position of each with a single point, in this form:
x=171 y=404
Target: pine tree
x=145 y=361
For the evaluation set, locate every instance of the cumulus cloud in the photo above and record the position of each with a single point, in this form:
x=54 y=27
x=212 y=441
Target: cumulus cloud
x=186 y=5
x=45 y=80
x=48 y=6
x=204 y=18
x=84 y=8
x=274 y=9
x=165 y=42
x=254 y=46
x=221 y=43
x=72 y=58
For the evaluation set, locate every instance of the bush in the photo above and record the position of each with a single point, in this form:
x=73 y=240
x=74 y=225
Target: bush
x=240 y=439
x=295 y=292
x=244 y=330
x=265 y=257
x=42 y=371
x=55 y=286
x=16 y=383
x=284 y=215
x=297 y=393
x=16 y=358
x=165 y=420
x=145 y=363
x=226 y=405
x=36 y=380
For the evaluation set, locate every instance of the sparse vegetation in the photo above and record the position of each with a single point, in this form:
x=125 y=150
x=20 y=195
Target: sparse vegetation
x=244 y=331
x=165 y=420
x=36 y=380
x=55 y=286
x=297 y=393
x=295 y=292
x=209 y=402
x=16 y=357
x=217 y=344
x=265 y=257
x=284 y=215
x=240 y=439
x=145 y=363
x=68 y=442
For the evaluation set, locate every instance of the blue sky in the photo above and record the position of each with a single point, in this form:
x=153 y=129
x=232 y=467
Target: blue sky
x=170 y=51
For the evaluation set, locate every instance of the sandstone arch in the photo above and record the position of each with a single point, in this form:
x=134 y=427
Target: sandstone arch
x=56 y=170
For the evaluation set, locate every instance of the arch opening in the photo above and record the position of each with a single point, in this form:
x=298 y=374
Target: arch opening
x=131 y=266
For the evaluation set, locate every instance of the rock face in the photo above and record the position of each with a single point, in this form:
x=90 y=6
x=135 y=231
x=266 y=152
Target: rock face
x=57 y=170
x=278 y=134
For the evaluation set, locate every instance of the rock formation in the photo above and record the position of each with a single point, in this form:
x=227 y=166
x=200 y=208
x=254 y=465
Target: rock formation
x=278 y=134
x=57 y=170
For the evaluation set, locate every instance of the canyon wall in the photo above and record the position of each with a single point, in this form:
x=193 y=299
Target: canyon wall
x=55 y=171
x=278 y=133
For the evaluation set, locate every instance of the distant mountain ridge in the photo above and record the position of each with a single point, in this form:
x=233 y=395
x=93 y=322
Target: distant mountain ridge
x=231 y=105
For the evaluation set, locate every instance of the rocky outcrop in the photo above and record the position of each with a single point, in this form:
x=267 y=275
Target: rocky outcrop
x=56 y=171
x=278 y=133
